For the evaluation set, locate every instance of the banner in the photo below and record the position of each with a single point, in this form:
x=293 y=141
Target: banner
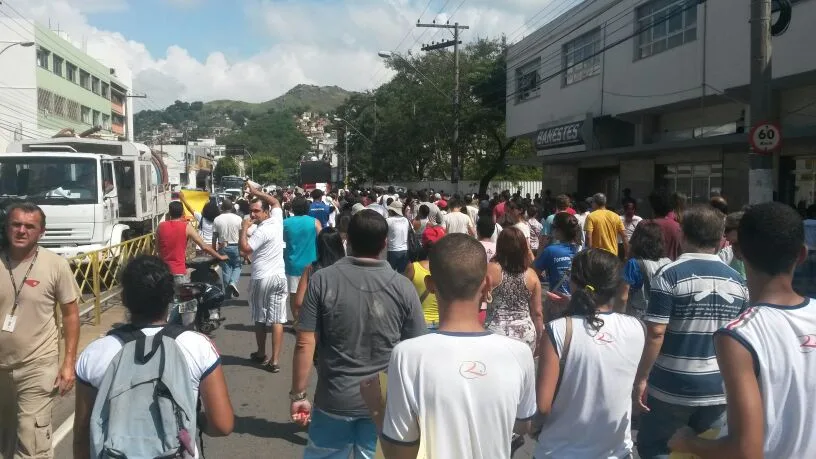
x=196 y=199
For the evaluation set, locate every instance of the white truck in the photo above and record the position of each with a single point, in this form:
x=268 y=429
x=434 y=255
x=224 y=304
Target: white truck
x=95 y=193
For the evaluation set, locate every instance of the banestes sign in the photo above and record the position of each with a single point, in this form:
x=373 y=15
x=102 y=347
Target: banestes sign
x=560 y=136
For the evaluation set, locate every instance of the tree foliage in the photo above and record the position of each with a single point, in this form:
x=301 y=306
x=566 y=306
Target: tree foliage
x=407 y=123
x=226 y=166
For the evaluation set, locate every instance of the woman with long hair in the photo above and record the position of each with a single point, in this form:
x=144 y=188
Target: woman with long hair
x=556 y=259
x=514 y=303
x=204 y=219
x=646 y=257
x=588 y=364
x=329 y=250
x=416 y=272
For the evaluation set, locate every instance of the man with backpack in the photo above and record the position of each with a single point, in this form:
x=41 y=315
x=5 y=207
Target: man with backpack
x=139 y=386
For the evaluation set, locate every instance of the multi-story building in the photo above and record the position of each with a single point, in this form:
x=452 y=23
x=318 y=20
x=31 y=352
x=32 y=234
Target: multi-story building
x=647 y=94
x=48 y=84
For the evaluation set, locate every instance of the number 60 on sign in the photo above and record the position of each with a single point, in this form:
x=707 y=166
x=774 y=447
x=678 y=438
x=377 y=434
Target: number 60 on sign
x=766 y=138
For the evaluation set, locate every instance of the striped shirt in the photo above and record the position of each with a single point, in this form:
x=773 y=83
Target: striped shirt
x=694 y=296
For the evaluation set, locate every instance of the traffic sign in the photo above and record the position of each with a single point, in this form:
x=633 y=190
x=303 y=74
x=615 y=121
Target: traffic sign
x=766 y=137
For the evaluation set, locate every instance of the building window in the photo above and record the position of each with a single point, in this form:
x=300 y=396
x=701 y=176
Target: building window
x=71 y=72
x=85 y=79
x=528 y=81
x=57 y=62
x=95 y=85
x=106 y=122
x=697 y=181
x=45 y=101
x=665 y=24
x=97 y=118
x=60 y=106
x=582 y=58
x=72 y=110
x=105 y=90
x=43 y=56
x=86 y=115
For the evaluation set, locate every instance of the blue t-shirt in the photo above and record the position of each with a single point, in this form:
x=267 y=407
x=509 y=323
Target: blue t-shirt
x=320 y=210
x=556 y=260
x=300 y=236
x=632 y=274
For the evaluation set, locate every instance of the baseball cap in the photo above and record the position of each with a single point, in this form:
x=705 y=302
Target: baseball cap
x=356 y=208
x=432 y=234
x=395 y=206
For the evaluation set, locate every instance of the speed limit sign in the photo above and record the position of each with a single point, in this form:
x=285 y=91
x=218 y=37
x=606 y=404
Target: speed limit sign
x=766 y=137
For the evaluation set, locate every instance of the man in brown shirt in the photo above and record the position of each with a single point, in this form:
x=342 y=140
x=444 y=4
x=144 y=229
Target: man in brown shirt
x=34 y=280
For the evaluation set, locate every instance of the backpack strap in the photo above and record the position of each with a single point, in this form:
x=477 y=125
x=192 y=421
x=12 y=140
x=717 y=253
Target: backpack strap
x=424 y=296
x=644 y=274
x=126 y=333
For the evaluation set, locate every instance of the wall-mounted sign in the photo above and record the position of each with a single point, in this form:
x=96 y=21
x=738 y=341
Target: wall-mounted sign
x=560 y=136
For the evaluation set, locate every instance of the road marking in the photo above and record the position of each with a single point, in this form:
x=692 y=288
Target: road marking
x=63 y=431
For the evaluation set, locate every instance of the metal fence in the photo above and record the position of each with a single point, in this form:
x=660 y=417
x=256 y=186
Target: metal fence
x=97 y=273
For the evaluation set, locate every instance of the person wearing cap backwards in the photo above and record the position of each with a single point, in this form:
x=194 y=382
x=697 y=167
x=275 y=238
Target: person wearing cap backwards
x=398 y=229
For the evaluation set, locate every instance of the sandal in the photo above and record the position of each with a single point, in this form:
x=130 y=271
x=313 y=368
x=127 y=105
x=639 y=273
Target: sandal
x=272 y=367
x=257 y=358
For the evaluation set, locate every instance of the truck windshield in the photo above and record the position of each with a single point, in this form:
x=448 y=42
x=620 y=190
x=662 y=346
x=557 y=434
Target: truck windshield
x=231 y=181
x=49 y=180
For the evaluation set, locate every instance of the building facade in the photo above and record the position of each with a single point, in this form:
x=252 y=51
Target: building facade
x=654 y=94
x=53 y=85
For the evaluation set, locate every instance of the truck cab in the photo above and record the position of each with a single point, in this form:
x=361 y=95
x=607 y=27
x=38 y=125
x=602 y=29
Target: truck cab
x=94 y=193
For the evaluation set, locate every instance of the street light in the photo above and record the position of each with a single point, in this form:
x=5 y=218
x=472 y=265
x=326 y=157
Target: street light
x=24 y=44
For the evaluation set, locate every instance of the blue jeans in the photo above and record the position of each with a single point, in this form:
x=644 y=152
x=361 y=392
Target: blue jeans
x=398 y=260
x=335 y=437
x=231 y=269
x=659 y=424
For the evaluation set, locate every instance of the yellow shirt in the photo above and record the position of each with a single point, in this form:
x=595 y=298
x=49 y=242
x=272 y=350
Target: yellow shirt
x=429 y=307
x=605 y=226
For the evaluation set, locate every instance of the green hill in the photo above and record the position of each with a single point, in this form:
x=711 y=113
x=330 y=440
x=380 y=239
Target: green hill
x=233 y=115
x=320 y=99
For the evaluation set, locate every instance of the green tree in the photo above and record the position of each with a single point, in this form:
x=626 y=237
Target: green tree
x=267 y=170
x=225 y=166
x=271 y=134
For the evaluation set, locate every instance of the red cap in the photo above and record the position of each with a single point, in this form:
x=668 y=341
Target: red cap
x=432 y=234
x=442 y=204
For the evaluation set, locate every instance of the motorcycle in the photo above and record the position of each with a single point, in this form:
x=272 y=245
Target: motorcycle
x=197 y=304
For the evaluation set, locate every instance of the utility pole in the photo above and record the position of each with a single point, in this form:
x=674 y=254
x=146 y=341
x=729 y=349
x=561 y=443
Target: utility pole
x=455 y=169
x=345 y=159
x=761 y=187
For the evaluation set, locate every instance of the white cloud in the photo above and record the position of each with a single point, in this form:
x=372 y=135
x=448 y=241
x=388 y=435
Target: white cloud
x=335 y=43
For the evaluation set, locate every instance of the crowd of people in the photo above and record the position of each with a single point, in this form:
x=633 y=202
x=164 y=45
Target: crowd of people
x=450 y=326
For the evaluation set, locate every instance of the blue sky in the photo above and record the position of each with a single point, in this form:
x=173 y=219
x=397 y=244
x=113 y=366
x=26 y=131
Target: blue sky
x=201 y=29
x=255 y=50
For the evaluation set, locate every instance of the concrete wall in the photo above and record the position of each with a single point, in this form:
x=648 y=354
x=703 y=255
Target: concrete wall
x=627 y=84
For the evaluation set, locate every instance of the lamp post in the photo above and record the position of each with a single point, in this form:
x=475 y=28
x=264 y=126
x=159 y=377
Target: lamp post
x=24 y=44
x=345 y=155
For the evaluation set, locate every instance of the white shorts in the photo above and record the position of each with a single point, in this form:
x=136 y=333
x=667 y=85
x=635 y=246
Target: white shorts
x=292 y=282
x=267 y=300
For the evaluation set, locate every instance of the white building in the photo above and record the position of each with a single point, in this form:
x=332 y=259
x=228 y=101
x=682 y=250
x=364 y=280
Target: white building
x=655 y=94
x=48 y=84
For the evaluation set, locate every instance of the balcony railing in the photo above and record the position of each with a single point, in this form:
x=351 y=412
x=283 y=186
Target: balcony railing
x=118 y=108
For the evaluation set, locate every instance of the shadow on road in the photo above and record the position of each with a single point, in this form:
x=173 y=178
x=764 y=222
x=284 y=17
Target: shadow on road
x=240 y=327
x=231 y=303
x=264 y=428
x=234 y=360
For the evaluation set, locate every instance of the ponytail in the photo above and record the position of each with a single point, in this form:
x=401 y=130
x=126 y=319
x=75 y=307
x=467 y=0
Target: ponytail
x=583 y=303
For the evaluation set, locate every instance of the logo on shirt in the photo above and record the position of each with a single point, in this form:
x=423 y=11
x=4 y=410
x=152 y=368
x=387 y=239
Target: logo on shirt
x=603 y=338
x=472 y=370
x=32 y=282
x=807 y=343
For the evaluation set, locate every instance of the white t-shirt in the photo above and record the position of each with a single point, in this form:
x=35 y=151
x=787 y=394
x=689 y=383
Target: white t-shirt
x=628 y=227
x=581 y=221
x=457 y=222
x=228 y=227
x=495 y=236
x=205 y=228
x=199 y=352
x=524 y=227
x=267 y=246
x=398 y=234
x=783 y=344
x=459 y=394
x=595 y=396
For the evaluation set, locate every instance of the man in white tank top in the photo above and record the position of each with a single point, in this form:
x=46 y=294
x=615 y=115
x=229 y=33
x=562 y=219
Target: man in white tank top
x=767 y=356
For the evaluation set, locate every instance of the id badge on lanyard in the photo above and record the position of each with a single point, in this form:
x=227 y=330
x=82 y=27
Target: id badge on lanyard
x=10 y=321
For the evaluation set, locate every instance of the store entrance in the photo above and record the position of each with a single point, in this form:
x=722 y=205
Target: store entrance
x=604 y=180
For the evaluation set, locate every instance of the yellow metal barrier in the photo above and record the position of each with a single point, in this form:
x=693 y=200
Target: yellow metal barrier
x=97 y=272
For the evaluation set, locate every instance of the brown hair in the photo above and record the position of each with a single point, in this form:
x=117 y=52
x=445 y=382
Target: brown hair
x=511 y=251
x=562 y=202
